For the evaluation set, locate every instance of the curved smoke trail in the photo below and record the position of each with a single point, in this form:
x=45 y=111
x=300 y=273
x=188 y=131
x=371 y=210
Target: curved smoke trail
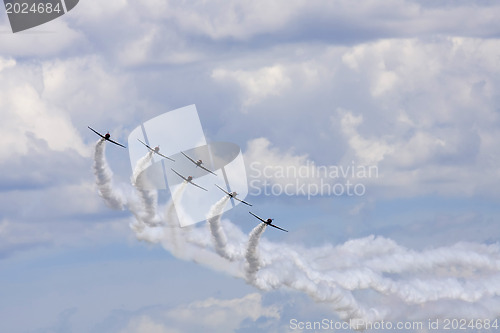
x=141 y=165
x=218 y=236
x=112 y=197
x=172 y=228
x=148 y=197
x=170 y=213
x=274 y=277
x=420 y=282
x=369 y=279
x=423 y=279
x=251 y=254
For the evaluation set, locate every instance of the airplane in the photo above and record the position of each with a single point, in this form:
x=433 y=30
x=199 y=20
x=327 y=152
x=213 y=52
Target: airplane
x=106 y=137
x=156 y=150
x=268 y=222
x=198 y=163
x=233 y=195
x=188 y=179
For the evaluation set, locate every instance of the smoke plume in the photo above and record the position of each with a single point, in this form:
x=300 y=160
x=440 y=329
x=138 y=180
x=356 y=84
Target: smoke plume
x=112 y=197
x=364 y=280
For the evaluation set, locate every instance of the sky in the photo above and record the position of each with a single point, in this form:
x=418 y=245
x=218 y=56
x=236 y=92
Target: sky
x=369 y=130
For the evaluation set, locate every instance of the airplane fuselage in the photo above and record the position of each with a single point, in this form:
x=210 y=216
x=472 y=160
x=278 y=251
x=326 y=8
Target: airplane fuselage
x=189 y=178
x=157 y=149
x=107 y=136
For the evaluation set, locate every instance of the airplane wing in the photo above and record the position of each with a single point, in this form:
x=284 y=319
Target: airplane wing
x=178 y=174
x=154 y=151
x=116 y=143
x=102 y=136
x=146 y=145
x=275 y=226
x=234 y=197
x=168 y=158
x=223 y=190
x=189 y=158
x=243 y=201
x=191 y=182
x=201 y=166
x=93 y=130
x=260 y=218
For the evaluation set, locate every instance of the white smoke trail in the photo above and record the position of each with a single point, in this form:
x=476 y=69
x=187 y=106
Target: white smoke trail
x=188 y=247
x=112 y=197
x=435 y=274
x=218 y=236
x=149 y=197
x=286 y=275
x=351 y=268
x=417 y=278
x=251 y=254
x=170 y=213
x=368 y=279
x=172 y=228
x=141 y=165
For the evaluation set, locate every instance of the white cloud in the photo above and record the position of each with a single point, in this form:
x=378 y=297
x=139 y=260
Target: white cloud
x=273 y=172
x=47 y=40
x=6 y=63
x=64 y=215
x=265 y=163
x=240 y=20
x=157 y=45
x=367 y=152
x=26 y=113
x=383 y=79
x=101 y=12
x=447 y=70
x=258 y=84
x=434 y=124
x=210 y=315
x=260 y=150
x=145 y=324
x=224 y=315
x=407 y=91
x=88 y=88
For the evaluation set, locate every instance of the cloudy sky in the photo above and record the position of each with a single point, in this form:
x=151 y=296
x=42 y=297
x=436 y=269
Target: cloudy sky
x=407 y=89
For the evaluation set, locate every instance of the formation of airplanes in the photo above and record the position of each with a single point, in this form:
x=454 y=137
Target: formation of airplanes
x=189 y=179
